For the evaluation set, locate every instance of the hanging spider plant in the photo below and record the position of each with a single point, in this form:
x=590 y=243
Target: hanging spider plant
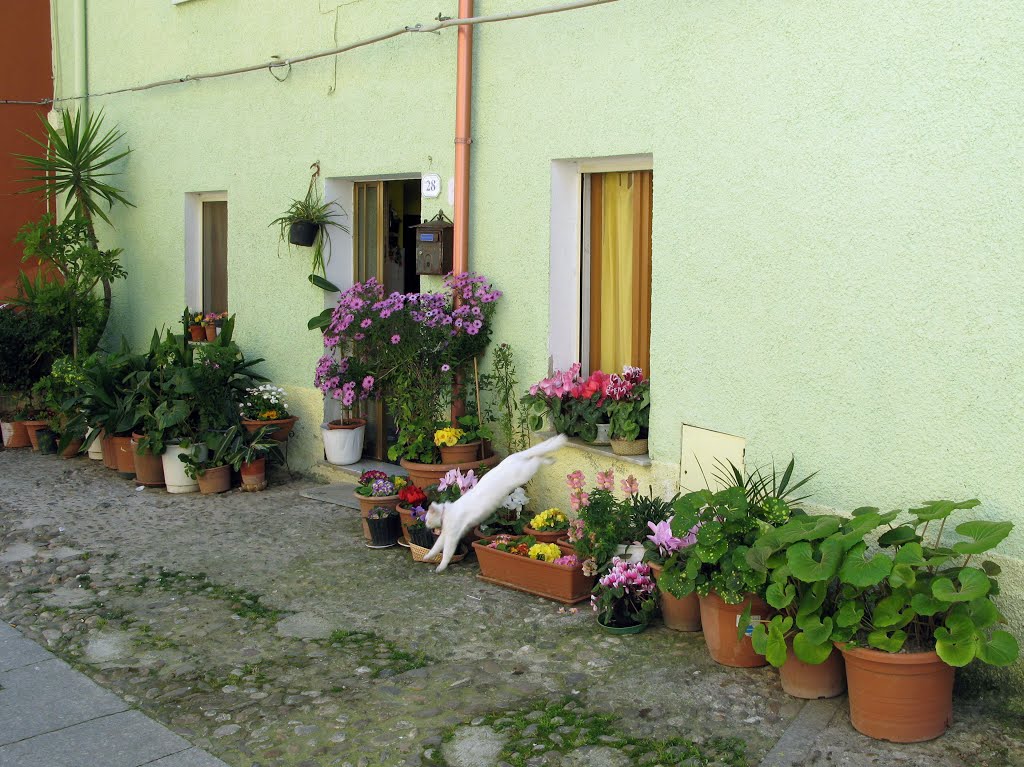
x=305 y=222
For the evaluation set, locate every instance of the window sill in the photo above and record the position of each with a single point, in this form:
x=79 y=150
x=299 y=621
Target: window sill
x=603 y=450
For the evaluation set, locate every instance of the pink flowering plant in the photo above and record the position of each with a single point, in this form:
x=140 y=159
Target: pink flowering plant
x=576 y=404
x=406 y=348
x=629 y=406
x=625 y=595
x=603 y=522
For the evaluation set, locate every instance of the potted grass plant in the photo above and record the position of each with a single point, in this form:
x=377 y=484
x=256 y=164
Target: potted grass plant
x=307 y=222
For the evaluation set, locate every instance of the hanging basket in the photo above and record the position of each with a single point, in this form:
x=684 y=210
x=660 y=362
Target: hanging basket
x=303 y=233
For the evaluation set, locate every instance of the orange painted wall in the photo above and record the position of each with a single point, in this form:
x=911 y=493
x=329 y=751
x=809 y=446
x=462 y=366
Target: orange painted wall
x=26 y=75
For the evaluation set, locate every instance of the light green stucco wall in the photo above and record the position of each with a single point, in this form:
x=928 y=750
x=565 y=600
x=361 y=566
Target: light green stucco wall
x=837 y=203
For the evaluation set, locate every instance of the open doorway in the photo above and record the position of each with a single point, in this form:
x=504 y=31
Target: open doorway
x=384 y=214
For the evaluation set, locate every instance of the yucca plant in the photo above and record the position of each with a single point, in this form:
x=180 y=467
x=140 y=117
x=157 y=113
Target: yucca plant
x=75 y=163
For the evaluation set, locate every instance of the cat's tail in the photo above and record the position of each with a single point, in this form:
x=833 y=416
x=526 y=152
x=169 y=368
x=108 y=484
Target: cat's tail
x=547 y=446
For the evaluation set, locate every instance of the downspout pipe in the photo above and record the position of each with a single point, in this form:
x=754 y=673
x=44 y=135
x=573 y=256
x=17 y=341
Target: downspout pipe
x=82 y=55
x=463 y=107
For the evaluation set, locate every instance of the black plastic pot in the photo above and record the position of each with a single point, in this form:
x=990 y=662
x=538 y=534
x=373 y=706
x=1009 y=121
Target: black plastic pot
x=303 y=233
x=385 y=532
x=423 y=537
x=47 y=441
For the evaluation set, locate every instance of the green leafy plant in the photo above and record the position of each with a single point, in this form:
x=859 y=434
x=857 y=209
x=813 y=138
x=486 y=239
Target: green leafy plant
x=76 y=163
x=913 y=594
x=313 y=210
x=222 y=447
x=253 y=446
x=502 y=386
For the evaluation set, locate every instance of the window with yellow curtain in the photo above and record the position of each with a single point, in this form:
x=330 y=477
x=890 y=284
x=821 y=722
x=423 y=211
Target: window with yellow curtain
x=620 y=270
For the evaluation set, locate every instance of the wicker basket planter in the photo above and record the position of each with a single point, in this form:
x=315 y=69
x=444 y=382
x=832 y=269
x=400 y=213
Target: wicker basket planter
x=629 y=446
x=558 y=582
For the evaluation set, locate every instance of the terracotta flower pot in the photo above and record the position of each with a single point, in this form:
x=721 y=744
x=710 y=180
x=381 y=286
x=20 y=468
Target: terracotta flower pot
x=902 y=697
x=348 y=423
x=534 y=576
x=32 y=427
x=254 y=475
x=720 y=621
x=809 y=681
x=15 y=435
x=196 y=332
x=215 y=480
x=544 y=536
x=124 y=456
x=73 y=448
x=109 y=452
x=149 y=468
x=367 y=502
x=405 y=515
x=678 y=614
x=211 y=332
x=425 y=474
x=284 y=426
x=461 y=453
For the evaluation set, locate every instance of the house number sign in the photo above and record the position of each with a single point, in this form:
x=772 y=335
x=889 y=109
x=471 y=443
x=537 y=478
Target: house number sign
x=430 y=185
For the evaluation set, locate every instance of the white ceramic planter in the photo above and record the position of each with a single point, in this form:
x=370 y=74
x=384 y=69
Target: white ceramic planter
x=342 y=446
x=175 y=478
x=634 y=553
x=96 y=448
x=6 y=431
x=604 y=434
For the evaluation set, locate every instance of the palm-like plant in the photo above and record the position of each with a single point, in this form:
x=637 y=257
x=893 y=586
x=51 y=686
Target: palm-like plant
x=75 y=163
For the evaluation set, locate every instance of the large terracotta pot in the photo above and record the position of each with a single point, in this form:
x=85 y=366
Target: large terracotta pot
x=720 y=621
x=806 y=680
x=547 y=536
x=32 y=427
x=149 y=468
x=215 y=480
x=254 y=475
x=211 y=332
x=196 y=332
x=109 y=451
x=678 y=614
x=15 y=434
x=902 y=697
x=462 y=453
x=124 y=456
x=284 y=427
x=405 y=514
x=534 y=576
x=367 y=502
x=424 y=475
x=73 y=448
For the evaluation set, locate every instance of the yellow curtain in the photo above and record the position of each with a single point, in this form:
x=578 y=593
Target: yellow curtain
x=620 y=270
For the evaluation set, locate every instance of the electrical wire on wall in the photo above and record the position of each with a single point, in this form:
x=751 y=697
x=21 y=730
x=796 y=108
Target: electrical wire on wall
x=286 y=63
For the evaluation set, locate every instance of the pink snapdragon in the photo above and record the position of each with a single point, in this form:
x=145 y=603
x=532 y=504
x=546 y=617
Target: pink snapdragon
x=606 y=480
x=630 y=485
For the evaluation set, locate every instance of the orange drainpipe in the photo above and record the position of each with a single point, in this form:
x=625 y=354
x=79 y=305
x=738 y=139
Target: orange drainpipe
x=463 y=103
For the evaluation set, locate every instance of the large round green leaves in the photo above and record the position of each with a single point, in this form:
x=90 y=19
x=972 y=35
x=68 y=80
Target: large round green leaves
x=810 y=564
x=1001 y=649
x=861 y=572
x=973 y=584
x=983 y=535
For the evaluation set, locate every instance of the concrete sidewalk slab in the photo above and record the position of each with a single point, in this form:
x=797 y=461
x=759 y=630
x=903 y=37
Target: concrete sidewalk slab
x=16 y=652
x=339 y=495
x=49 y=696
x=125 y=739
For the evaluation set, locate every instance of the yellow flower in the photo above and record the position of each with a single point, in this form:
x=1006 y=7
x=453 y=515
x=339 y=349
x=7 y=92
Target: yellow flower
x=448 y=436
x=550 y=519
x=268 y=415
x=400 y=482
x=548 y=552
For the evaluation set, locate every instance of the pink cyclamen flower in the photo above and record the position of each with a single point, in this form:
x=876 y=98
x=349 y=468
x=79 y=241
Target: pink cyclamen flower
x=663 y=538
x=630 y=485
x=445 y=368
x=395 y=338
x=606 y=479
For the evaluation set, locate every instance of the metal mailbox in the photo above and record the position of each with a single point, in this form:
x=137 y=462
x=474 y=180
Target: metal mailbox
x=434 y=246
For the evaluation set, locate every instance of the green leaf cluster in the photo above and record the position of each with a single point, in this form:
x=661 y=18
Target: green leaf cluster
x=829 y=585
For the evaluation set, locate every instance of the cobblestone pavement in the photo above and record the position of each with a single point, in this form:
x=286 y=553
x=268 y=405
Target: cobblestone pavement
x=258 y=627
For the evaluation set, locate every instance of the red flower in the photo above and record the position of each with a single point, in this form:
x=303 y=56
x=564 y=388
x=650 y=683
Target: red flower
x=411 y=495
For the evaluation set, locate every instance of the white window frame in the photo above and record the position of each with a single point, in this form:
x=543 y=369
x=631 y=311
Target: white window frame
x=569 y=267
x=194 y=244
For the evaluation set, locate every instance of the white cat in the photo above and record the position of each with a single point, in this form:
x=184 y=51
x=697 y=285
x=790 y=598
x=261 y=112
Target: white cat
x=459 y=517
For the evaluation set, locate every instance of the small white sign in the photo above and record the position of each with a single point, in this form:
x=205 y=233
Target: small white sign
x=430 y=185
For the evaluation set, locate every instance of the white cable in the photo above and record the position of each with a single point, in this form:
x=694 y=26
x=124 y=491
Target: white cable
x=271 y=65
